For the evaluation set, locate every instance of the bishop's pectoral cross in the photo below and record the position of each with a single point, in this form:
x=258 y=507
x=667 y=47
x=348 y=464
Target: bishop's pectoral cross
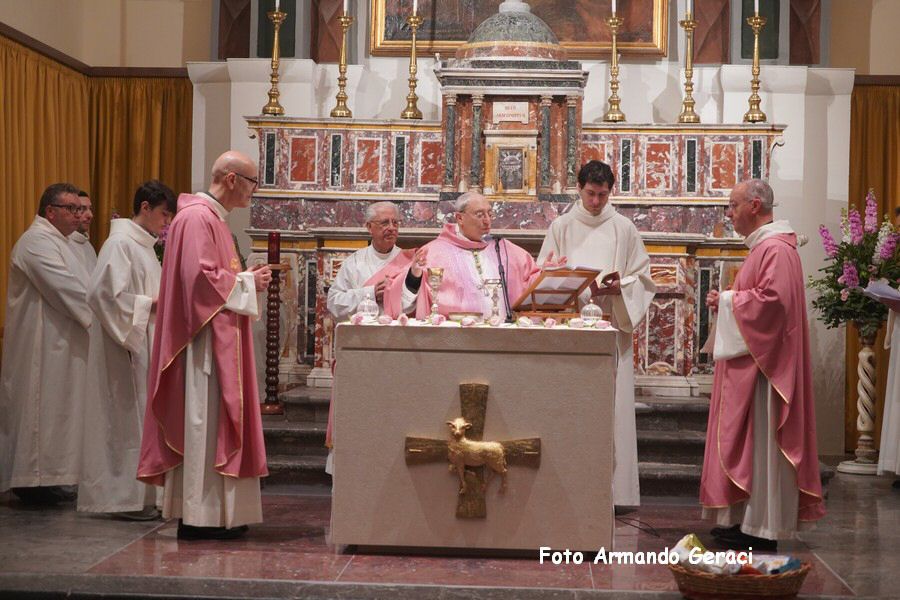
x=473 y=404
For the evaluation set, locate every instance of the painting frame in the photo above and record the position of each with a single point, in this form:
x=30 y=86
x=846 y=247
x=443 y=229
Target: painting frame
x=653 y=43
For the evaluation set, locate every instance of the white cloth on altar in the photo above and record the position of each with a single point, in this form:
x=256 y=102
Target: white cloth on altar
x=194 y=491
x=348 y=288
x=121 y=293
x=84 y=250
x=45 y=352
x=889 y=457
x=610 y=242
x=771 y=510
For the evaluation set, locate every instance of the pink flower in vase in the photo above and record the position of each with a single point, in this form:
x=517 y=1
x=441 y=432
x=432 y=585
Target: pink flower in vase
x=850 y=276
x=831 y=247
x=845 y=293
x=871 y=225
x=856 y=227
x=889 y=246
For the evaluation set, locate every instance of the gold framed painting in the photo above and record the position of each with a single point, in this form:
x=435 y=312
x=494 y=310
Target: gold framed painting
x=579 y=24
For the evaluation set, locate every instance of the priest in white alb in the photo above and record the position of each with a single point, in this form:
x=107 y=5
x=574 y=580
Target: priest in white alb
x=203 y=437
x=80 y=238
x=380 y=271
x=122 y=293
x=594 y=235
x=45 y=352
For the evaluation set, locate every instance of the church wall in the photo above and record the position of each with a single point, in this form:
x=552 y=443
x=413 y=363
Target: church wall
x=863 y=36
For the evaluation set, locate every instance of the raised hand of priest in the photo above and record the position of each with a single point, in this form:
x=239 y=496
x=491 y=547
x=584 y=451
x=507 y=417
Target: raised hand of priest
x=550 y=263
x=262 y=276
x=418 y=261
x=712 y=299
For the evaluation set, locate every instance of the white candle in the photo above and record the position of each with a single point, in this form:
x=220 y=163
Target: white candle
x=690 y=7
x=614 y=7
x=756 y=6
x=346 y=7
x=415 y=7
x=277 y=5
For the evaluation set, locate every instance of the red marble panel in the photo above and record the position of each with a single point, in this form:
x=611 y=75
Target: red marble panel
x=303 y=159
x=368 y=161
x=431 y=167
x=723 y=165
x=594 y=151
x=658 y=166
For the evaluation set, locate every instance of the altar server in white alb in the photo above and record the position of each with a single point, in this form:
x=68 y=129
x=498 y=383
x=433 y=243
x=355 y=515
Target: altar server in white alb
x=45 y=352
x=80 y=238
x=593 y=234
x=123 y=292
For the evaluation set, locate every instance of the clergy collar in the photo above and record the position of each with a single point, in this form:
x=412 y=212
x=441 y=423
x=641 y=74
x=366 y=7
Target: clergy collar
x=766 y=231
x=582 y=214
x=131 y=229
x=221 y=210
x=79 y=237
x=46 y=225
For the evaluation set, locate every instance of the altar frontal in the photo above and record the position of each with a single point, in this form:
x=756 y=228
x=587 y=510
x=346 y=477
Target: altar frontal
x=476 y=438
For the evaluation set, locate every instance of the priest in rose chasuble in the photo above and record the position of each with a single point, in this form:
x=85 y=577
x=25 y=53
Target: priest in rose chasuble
x=123 y=291
x=761 y=470
x=203 y=435
x=469 y=258
x=594 y=235
x=45 y=352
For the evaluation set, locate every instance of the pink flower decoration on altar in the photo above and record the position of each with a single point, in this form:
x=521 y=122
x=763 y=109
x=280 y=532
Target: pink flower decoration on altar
x=845 y=293
x=871 y=213
x=856 y=227
x=468 y=322
x=403 y=320
x=850 y=278
x=550 y=323
x=357 y=319
x=438 y=320
x=384 y=319
x=831 y=247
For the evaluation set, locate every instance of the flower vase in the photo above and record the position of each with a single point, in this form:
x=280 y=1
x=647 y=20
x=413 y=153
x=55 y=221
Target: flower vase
x=866 y=460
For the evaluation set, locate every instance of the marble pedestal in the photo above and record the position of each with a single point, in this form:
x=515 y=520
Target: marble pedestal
x=392 y=382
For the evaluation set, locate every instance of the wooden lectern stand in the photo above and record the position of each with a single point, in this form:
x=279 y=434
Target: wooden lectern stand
x=555 y=293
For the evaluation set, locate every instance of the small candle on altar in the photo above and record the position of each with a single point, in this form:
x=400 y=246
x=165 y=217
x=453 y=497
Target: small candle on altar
x=274 y=248
x=690 y=7
x=756 y=7
x=613 y=7
x=415 y=7
x=277 y=5
x=346 y=7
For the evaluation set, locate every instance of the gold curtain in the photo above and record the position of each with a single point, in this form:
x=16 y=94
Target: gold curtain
x=140 y=129
x=874 y=163
x=105 y=135
x=43 y=139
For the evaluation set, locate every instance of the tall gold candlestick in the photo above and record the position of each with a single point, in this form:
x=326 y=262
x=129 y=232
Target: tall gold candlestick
x=341 y=109
x=755 y=114
x=687 y=105
x=614 y=115
x=412 y=110
x=273 y=107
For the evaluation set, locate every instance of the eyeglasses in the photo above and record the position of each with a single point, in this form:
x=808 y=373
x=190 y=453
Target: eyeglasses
x=386 y=222
x=75 y=209
x=255 y=182
x=481 y=214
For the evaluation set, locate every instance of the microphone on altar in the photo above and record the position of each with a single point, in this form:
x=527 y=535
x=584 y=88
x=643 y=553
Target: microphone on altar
x=488 y=238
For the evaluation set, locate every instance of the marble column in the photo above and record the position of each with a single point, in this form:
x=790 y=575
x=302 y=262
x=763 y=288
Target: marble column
x=477 y=101
x=546 y=101
x=449 y=143
x=571 y=130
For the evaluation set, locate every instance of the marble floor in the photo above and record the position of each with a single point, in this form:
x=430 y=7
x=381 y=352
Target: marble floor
x=50 y=553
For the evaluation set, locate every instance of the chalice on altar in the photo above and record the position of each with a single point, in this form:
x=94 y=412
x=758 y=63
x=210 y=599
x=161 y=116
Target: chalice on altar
x=492 y=291
x=435 y=277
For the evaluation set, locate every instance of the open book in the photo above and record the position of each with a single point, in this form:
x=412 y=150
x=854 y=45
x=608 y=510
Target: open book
x=882 y=292
x=557 y=289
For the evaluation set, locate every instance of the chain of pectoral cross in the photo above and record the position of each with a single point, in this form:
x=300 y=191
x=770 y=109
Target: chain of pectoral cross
x=476 y=254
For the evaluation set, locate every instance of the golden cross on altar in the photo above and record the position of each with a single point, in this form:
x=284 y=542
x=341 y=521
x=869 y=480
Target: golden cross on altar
x=473 y=405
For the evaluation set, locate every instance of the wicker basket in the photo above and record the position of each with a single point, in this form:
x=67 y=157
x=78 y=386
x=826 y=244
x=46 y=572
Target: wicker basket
x=700 y=585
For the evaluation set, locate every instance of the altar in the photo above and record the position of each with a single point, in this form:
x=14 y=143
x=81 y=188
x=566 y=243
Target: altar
x=548 y=392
